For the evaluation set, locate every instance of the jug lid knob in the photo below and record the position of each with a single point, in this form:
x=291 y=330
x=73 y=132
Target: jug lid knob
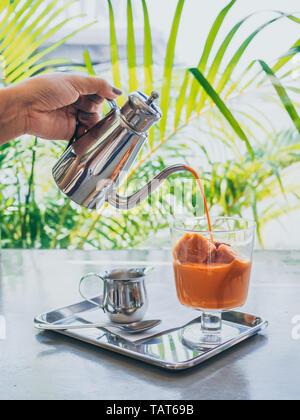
x=154 y=96
x=140 y=112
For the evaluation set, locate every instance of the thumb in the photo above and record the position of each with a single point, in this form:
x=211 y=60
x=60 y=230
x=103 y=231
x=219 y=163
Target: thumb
x=94 y=86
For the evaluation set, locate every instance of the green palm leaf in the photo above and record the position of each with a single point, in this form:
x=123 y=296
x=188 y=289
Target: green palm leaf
x=27 y=52
x=114 y=50
x=23 y=39
x=273 y=214
x=239 y=80
x=293 y=51
x=239 y=53
x=285 y=99
x=214 y=68
x=6 y=25
x=207 y=50
x=19 y=41
x=3 y=5
x=282 y=61
x=148 y=61
x=16 y=74
x=181 y=99
x=276 y=173
x=148 y=51
x=280 y=64
x=16 y=25
x=222 y=108
x=167 y=79
x=133 y=82
x=89 y=64
x=259 y=124
x=254 y=202
x=44 y=67
x=290 y=72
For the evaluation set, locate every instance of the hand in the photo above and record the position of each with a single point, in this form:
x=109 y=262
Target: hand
x=53 y=101
x=48 y=105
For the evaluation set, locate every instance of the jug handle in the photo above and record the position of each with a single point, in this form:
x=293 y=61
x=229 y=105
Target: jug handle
x=112 y=105
x=84 y=278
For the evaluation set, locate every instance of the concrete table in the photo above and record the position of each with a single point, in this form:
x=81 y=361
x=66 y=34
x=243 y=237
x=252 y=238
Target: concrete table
x=35 y=365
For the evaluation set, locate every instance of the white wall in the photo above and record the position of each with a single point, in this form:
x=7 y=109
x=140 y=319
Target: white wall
x=199 y=15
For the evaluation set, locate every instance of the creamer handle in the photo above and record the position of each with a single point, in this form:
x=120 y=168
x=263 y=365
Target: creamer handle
x=82 y=281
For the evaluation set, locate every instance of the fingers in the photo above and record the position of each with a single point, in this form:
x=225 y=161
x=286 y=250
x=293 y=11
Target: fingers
x=87 y=120
x=89 y=103
x=90 y=108
x=94 y=86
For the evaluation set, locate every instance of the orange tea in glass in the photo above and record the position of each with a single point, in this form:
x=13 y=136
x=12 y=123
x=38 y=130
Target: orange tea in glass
x=212 y=267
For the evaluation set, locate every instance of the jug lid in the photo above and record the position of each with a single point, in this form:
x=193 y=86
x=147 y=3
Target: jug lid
x=140 y=112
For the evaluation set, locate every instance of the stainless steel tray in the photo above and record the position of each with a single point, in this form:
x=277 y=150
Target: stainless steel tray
x=165 y=350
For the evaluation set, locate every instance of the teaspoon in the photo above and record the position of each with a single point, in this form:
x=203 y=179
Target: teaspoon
x=133 y=328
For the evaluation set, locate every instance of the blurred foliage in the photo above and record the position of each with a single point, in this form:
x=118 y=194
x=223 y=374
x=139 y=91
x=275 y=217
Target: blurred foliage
x=25 y=27
x=204 y=108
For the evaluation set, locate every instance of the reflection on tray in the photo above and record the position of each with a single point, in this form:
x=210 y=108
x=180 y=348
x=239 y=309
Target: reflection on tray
x=166 y=350
x=168 y=347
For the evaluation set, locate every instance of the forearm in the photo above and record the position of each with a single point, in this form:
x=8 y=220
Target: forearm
x=12 y=114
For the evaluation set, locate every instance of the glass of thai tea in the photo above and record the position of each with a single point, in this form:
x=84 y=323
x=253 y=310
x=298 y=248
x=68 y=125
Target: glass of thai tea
x=212 y=265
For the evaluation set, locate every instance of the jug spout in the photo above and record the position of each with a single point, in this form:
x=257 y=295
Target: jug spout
x=127 y=203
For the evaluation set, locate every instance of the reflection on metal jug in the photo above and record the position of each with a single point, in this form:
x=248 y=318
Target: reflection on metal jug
x=94 y=165
x=125 y=298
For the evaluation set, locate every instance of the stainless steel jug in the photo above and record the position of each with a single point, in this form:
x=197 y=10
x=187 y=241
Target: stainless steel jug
x=125 y=298
x=94 y=165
